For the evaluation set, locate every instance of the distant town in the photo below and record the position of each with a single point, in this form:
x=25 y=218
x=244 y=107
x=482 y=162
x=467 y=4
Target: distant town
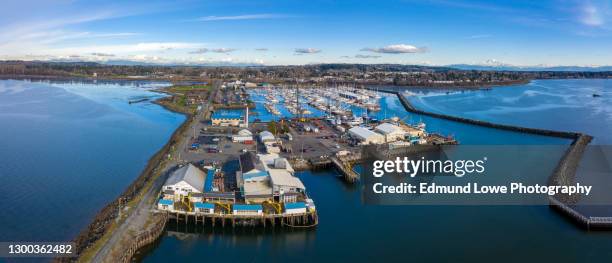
x=370 y=74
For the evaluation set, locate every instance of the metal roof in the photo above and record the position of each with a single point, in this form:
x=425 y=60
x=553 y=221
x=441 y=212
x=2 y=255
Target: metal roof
x=388 y=128
x=254 y=174
x=285 y=178
x=204 y=205
x=363 y=133
x=227 y=114
x=165 y=202
x=208 y=183
x=190 y=174
x=266 y=136
x=297 y=205
x=248 y=207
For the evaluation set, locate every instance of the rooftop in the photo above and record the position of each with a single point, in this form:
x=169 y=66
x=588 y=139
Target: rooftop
x=388 y=128
x=165 y=202
x=295 y=205
x=363 y=133
x=248 y=207
x=190 y=174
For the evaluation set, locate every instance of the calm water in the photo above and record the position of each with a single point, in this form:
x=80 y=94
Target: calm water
x=350 y=231
x=550 y=104
x=68 y=148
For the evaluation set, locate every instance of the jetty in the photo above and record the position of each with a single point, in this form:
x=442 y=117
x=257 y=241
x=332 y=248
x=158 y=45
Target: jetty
x=565 y=171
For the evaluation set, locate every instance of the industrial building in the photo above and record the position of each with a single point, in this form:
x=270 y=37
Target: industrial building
x=230 y=118
x=365 y=136
x=243 y=135
x=391 y=132
x=187 y=179
x=267 y=177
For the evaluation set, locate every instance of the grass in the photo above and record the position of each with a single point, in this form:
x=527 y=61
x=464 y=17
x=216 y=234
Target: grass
x=189 y=88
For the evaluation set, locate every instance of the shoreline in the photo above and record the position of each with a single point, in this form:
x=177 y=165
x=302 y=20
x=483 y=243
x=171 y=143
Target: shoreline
x=106 y=216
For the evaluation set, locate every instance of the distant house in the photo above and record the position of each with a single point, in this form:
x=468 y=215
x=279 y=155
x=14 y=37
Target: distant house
x=185 y=180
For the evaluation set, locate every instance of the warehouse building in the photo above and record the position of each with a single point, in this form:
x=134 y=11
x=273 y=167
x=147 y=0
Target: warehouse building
x=185 y=180
x=365 y=136
x=391 y=132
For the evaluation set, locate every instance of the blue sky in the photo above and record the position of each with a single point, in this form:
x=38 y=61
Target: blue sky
x=435 y=32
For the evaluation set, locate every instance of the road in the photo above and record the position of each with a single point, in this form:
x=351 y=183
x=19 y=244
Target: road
x=138 y=216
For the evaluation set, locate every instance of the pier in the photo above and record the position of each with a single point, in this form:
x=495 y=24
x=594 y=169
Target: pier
x=296 y=220
x=346 y=169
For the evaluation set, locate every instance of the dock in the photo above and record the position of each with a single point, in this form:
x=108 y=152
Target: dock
x=296 y=220
x=346 y=169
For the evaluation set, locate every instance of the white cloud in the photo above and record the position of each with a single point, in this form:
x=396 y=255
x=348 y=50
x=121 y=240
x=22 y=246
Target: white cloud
x=199 y=51
x=591 y=15
x=223 y=50
x=307 y=50
x=240 y=17
x=366 y=56
x=397 y=49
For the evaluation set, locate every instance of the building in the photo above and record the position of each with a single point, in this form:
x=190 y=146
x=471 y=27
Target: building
x=243 y=136
x=295 y=208
x=204 y=208
x=247 y=209
x=286 y=187
x=165 y=204
x=226 y=118
x=187 y=179
x=230 y=118
x=266 y=136
x=365 y=136
x=391 y=132
x=253 y=179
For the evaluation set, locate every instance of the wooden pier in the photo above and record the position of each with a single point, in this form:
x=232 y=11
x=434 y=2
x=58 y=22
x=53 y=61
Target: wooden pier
x=297 y=220
x=345 y=168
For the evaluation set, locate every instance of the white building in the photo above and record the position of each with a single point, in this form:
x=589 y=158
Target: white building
x=295 y=208
x=266 y=136
x=391 y=132
x=185 y=180
x=165 y=204
x=204 y=208
x=247 y=209
x=365 y=136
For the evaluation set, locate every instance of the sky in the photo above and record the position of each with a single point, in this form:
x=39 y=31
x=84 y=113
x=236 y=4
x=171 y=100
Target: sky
x=421 y=32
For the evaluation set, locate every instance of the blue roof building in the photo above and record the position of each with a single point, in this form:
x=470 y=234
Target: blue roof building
x=297 y=205
x=240 y=209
